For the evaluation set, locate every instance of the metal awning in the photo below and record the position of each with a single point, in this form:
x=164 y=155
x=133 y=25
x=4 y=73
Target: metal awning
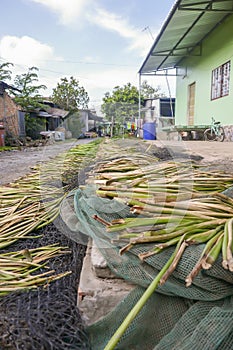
x=187 y=25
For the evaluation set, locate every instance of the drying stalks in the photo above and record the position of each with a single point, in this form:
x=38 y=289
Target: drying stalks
x=169 y=200
x=173 y=204
x=26 y=269
x=31 y=203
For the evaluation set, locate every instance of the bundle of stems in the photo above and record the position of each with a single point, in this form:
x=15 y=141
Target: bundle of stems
x=171 y=199
x=207 y=221
x=166 y=181
x=198 y=220
x=22 y=218
x=28 y=204
x=25 y=269
x=175 y=205
x=32 y=202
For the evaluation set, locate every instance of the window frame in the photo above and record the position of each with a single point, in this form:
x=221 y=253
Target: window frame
x=220 y=81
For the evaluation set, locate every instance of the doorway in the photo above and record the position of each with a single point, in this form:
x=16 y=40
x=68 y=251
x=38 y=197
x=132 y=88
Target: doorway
x=191 y=103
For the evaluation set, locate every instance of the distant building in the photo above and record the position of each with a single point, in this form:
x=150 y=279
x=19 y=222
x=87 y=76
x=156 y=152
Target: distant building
x=12 y=117
x=159 y=110
x=90 y=121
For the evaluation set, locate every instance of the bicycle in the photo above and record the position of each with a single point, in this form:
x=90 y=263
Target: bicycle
x=215 y=132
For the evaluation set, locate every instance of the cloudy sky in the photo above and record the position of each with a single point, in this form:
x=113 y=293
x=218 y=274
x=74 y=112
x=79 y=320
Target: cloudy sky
x=102 y=43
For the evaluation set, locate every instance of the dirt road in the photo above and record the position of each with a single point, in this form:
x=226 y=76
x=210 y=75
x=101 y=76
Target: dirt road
x=211 y=151
x=14 y=164
x=218 y=155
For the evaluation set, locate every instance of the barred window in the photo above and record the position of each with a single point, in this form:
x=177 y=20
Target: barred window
x=220 y=81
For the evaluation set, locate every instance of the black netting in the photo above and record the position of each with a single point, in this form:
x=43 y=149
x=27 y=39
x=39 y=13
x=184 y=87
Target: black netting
x=175 y=317
x=48 y=317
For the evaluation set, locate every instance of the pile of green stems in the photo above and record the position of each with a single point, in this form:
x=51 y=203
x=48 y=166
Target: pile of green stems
x=207 y=221
x=26 y=269
x=30 y=203
x=172 y=201
x=174 y=205
x=33 y=201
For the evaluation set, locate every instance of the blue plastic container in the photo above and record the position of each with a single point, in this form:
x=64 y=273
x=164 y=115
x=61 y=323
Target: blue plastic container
x=149 y=131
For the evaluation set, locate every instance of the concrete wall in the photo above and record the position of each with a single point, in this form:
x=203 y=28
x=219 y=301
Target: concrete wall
x=217 y=49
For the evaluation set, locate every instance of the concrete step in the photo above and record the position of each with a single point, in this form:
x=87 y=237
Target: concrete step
x=99 y=289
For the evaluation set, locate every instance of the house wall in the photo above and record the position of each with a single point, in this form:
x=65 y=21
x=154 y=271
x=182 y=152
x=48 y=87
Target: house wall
x=84 y=120
x=217 y=49
x=9 y=115
x=87 y=123
x=159 y=110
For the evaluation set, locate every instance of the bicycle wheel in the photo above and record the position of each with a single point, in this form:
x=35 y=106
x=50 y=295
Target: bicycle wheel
x=221 y=134
x=209 y=135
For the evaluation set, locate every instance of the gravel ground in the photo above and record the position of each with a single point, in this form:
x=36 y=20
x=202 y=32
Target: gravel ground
x=217 y=155
x=17 y=163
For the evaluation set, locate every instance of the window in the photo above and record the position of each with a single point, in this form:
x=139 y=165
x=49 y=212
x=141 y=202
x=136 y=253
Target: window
x=220 y=81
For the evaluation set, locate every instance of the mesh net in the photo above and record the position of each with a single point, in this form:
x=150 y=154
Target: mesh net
x=175 y=317
x=46 y=318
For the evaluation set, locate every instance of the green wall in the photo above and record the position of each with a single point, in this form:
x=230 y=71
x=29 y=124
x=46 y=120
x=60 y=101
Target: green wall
x=217 y=49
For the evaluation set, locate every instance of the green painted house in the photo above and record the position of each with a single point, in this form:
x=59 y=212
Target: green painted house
x=196 y=44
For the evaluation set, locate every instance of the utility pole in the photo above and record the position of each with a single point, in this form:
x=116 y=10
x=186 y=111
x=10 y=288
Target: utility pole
x=148 y=28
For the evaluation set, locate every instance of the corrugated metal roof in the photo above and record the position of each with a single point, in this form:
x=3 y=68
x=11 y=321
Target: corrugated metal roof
x=187 y=25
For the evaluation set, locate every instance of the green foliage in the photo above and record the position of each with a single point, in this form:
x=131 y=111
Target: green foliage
x=147 y=91
x=5 y=72
x=123 y=103
x=6 y=148
x=69 y=95
x=33 y=126
x=29 y=98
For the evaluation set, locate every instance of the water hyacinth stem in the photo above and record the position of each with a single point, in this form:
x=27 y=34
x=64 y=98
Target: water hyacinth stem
x=147 y=294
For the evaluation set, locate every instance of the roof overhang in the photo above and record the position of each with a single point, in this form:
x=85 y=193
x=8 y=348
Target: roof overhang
x=187 y=25
x=50 y=112
x=92 y=116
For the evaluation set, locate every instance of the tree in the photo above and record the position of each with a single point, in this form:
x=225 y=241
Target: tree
x=29 y=99
x=5 y=72
x=147 y=91
x=69 y=95
x=123 y=104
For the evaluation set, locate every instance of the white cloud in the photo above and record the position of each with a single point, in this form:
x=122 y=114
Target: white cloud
x=138 y=39
x=68 y=11
x=72 y=12
x=26 y=51
x=112 y=22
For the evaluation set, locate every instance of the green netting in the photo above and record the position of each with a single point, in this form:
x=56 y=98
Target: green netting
x=175 y=317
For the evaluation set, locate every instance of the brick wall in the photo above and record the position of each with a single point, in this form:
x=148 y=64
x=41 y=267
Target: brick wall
x=9 y=115
x=228 y=129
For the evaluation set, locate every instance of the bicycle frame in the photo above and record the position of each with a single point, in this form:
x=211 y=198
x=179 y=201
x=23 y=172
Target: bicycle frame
x=215 y=132
x=215 y=126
